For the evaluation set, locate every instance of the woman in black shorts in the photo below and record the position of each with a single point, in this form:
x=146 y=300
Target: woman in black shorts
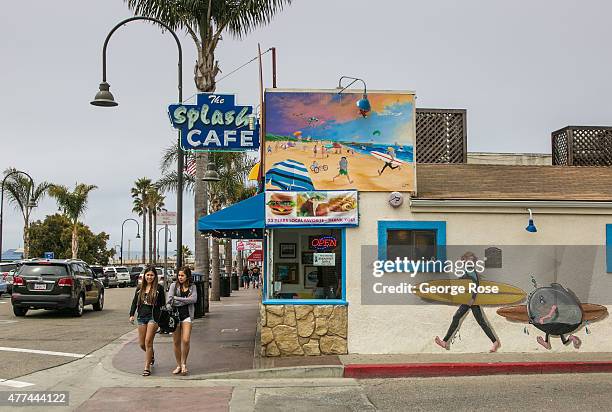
x=183 y=295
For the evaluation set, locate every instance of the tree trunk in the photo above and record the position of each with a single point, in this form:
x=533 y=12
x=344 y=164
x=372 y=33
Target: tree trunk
x=144 y=236
x=151 y=234
x=26 y=238
x=75 y=240
x=228 y=256
x=215 y=293
x=155 y=237
x=201 y=251
x=206 y=68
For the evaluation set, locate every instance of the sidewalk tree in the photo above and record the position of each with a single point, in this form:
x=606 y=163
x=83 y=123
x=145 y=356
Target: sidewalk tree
x=18 y=189
x=73 y=205
x=54 y=234
x=206 y=21
x=139 y=196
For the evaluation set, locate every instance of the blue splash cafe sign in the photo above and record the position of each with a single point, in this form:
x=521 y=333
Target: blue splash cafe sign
x=215 y=123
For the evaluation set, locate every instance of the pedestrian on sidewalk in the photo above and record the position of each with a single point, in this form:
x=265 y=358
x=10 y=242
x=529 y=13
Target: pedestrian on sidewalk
x=256 y=277
x=246 y=278
x=183 y=295
x=463 y=309
x=147 y=302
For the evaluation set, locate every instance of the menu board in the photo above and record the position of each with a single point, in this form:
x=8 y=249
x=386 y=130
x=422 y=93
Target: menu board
x=334 y=208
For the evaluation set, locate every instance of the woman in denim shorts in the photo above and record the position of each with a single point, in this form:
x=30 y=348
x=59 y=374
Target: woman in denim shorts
x=183 y=295
x=148 y=301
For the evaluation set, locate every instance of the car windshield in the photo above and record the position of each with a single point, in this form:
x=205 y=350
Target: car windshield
x=42 y=270
x=96 y=270
x=136 y=269
x=122 y=270
x=109 y=272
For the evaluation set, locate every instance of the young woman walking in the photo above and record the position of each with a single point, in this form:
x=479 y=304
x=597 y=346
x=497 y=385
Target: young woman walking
x=148 y=301
x=183 y=295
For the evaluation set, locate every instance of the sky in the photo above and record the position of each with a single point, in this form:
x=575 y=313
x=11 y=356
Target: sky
x=522 y=69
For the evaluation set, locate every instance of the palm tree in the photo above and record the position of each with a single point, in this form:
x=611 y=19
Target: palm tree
x=206 y=21
x=139 y=194
x=19 y=193
x=73 y=205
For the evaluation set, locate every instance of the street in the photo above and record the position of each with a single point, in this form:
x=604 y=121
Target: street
x=53 y=331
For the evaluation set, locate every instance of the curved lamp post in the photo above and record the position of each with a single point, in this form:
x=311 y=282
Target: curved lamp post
x=31 y=204
x=104 y=98
x=363 y=104
x=137 y=236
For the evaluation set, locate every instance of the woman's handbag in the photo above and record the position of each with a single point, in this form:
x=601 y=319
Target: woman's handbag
x=168 y=319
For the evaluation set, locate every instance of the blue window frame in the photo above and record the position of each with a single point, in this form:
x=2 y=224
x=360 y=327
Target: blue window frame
x=609 y=248
x=438 y=226
x=342 y=301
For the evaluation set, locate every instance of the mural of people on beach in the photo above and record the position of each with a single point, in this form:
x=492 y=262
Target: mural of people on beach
x=318 y=140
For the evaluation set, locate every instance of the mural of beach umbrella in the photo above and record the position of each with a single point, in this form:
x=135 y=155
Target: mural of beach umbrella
x=289 y=175
x=336 y=145
x=329 y=146
x=254 y=173
x=298 y=135
x=376 y=133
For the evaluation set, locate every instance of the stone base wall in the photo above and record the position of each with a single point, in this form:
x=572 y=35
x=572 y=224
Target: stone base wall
x=297 y=330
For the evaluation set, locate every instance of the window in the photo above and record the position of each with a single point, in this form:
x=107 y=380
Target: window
x=411 y=239
x=305 y=266
x=412 y=244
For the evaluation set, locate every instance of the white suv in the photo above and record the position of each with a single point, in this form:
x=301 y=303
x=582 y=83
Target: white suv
x=123 y=275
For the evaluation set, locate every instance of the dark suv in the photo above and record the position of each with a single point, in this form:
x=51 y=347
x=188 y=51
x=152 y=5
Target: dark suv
x=56 y=284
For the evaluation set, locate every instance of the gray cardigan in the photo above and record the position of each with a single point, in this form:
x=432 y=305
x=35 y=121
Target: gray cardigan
x=180 y=301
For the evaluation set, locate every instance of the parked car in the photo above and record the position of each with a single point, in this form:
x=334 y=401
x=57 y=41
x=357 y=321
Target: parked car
x=122 y=273
x=162 y=278
x=56 y=284
x=6 y=277
x=135 y=272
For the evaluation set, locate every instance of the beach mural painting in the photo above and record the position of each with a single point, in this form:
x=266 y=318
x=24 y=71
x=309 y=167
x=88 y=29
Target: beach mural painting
x=316 y=140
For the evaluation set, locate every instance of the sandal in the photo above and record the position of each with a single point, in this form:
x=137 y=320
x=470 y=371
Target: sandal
x=146 y=372
x=153 y=360
x=177 y=370
x=184 y=370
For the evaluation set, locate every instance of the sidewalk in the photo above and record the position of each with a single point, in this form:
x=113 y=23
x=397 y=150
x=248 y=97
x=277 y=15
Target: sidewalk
x=222 y=341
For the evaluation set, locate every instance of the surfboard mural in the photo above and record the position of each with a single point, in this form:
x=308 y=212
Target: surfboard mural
x=342 y=149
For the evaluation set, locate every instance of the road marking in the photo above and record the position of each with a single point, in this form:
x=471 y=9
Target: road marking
x=14 y=384
x=229 y=330
x=45 y=352
x=7 y=321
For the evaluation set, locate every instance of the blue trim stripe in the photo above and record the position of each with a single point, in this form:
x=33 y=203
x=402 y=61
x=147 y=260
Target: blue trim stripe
x=609 y=248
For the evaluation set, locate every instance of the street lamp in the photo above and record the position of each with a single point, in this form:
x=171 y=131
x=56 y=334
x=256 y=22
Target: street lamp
x=363 y=104
x=166 y=241
x=104 y=98
x=31 y=203
x=211 y=174
x=137 y=236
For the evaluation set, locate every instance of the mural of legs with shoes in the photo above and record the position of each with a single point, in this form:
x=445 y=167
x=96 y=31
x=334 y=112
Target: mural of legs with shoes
x=477 y=312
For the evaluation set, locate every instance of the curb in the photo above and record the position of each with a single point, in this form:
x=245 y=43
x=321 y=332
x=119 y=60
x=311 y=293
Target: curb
x=368 y=371
x=299 y=372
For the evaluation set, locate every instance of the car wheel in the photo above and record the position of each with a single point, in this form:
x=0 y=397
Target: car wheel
x=99 y=305
x=19 y=311
x=78 y=309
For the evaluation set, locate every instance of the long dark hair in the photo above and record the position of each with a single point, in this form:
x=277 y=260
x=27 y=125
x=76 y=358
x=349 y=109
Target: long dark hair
x=187 y=271
x=143 y=287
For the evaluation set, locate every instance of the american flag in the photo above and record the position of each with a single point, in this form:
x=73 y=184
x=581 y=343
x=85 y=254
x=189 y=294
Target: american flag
x=190 y=167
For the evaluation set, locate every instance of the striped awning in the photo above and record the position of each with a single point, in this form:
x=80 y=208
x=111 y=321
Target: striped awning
x=289 y=175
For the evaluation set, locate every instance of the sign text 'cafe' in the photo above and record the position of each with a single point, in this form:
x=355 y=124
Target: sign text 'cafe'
x=215 y=123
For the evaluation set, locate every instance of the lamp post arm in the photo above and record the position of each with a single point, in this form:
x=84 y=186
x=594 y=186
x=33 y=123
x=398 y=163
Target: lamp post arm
x=122 y=225
x=354 y=79
x=161 y=23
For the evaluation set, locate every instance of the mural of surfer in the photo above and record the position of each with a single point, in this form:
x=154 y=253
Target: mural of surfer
x=323 y=126
x=464 y=308
x=556 y=311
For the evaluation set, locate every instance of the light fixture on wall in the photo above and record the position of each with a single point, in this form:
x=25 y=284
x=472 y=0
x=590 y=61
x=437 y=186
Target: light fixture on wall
x=531 y=226
x=363 y=104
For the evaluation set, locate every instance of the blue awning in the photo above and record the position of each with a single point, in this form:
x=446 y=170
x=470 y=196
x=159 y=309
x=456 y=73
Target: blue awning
x=244 y=220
